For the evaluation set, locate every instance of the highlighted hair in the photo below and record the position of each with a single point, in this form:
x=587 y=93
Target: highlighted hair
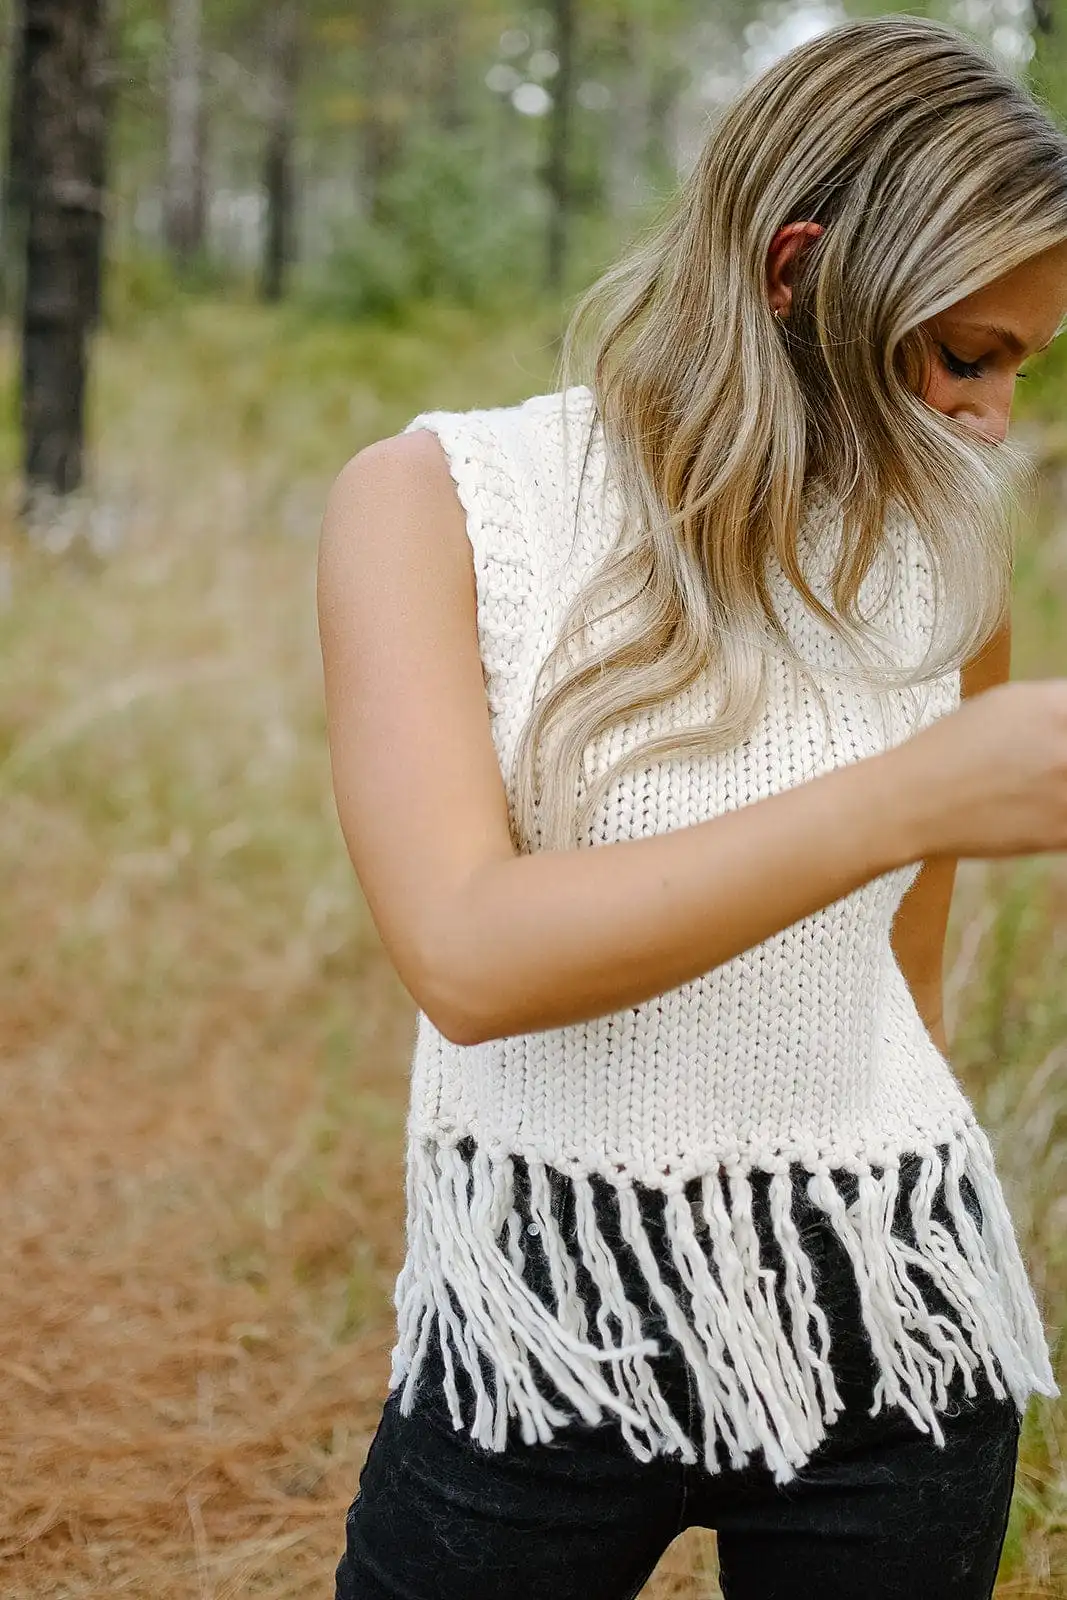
x=932 y=171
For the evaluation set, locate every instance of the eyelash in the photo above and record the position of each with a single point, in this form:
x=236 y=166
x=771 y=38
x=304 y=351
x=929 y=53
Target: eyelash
x=965 y=369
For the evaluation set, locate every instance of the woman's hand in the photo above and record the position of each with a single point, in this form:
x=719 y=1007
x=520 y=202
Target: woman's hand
x=991 y=778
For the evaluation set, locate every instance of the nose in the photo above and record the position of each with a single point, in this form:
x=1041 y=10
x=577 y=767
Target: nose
x=991 y=423
x=988 y=412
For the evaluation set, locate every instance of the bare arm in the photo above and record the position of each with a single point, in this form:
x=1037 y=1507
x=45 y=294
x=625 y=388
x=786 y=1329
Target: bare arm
x=489 y=943
x=922 y=922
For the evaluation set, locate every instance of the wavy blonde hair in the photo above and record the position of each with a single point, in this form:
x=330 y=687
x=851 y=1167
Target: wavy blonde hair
x=932 y=171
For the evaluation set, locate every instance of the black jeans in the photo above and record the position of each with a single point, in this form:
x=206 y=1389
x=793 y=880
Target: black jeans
x=879 y=1510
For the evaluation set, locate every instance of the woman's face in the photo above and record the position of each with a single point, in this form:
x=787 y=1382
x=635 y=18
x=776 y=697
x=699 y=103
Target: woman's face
x=981 y=342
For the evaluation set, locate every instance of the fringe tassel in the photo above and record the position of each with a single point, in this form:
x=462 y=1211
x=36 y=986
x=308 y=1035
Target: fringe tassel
x=570 y=1312
x=764 y=1381
x=453 y=1252
x=635 y=1380
x=804 y=1307
x=905 y=1367
x=994 y=1254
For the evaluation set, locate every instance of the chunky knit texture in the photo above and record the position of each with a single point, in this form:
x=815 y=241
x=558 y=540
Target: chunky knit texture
x=806 y=1049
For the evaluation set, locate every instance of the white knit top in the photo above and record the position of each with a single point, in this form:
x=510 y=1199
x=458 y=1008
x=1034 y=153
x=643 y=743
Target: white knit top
x=805 y=1049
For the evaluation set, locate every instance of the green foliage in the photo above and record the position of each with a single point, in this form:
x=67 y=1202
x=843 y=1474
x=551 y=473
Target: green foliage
x=138 y=283
x=143 y=283
x=368 y=272
x=445 y=230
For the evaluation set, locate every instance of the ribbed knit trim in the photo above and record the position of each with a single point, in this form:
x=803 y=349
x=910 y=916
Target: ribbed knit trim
x=765 y=1384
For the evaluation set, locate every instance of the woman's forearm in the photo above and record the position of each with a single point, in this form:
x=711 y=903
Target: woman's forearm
x=557 y=937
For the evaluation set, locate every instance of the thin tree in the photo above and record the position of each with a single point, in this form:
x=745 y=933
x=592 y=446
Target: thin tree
x=64 y=59
x=16 y=189
x=184 y=202
x=446 y=91
x=105 y=83
x=283 y=72
x=380 y=134
x=557 y=163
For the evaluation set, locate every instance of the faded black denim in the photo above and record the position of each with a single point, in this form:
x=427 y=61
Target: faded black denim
x=879 y=1510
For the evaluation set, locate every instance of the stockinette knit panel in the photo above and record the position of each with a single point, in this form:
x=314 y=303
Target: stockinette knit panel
x=806 y=1049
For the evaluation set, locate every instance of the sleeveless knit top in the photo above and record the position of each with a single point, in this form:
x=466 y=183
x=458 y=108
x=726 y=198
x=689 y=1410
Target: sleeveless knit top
x=805 y=1050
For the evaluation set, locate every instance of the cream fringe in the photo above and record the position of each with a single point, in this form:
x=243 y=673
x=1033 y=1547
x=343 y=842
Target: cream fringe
x=776 y=1393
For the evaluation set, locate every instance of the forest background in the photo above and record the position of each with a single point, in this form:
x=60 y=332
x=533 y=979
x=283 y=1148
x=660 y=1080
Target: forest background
x=317 y=220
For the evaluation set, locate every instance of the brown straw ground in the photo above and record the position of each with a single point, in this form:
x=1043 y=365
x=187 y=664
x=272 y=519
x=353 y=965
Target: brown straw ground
x=204 y=1050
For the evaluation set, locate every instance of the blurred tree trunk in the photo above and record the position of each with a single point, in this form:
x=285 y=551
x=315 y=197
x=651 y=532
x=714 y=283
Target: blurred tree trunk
x=64 y=56
x=626 y=181
x=283 y=73
x=16 y=189
x=662 y=153
x=105 y=82
x=380 y=131
x=184 y=206
x=556 y=166
x=447 y=96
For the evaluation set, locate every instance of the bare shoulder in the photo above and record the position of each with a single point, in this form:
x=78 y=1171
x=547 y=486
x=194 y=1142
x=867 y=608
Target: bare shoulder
x=393 y=510
x=404 y=474
x=397 y=453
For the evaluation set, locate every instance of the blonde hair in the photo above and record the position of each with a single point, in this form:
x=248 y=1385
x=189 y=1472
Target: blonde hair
x=932 y=171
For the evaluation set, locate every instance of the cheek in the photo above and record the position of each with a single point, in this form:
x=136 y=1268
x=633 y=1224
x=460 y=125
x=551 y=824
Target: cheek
x=939 y=391
x=925 y=376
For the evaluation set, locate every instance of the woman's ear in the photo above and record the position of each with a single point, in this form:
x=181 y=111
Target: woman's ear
x=782 y=256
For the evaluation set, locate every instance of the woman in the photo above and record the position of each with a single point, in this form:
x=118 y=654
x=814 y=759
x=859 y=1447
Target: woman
x=644 y=711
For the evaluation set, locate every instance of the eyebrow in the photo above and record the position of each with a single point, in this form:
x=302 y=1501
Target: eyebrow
x=1007 y=337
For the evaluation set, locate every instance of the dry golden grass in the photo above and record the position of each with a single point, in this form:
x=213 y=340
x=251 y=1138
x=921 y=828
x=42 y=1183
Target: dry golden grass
x=204 y=1049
